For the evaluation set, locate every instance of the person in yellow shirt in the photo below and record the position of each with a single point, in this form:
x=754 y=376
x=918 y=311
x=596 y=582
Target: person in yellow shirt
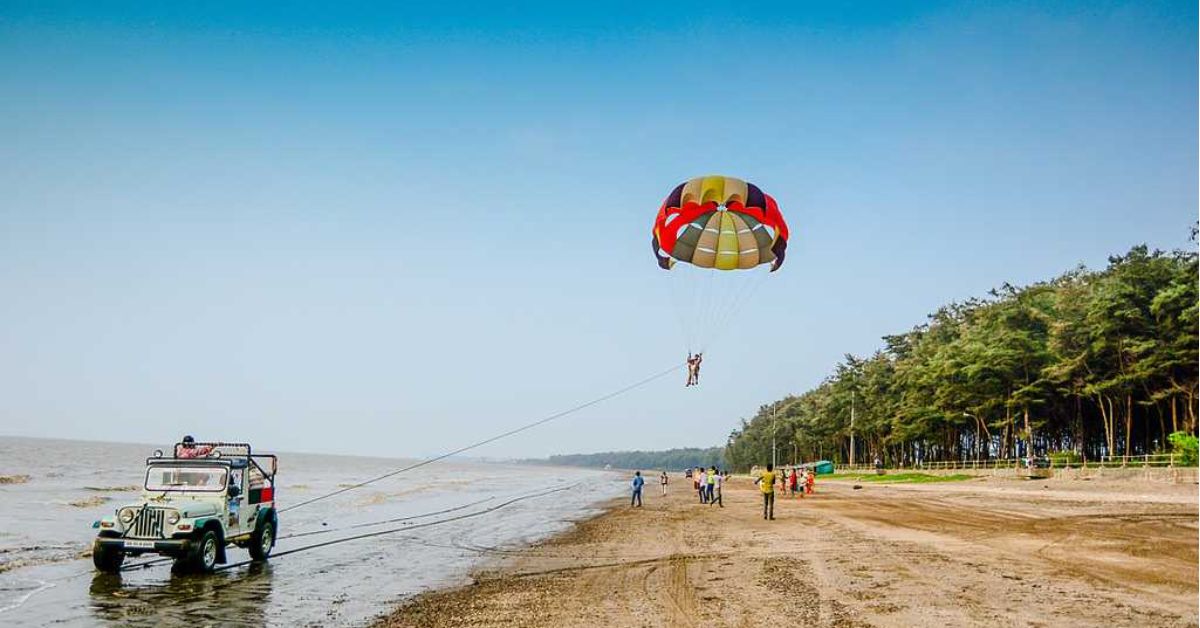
x=766 y=483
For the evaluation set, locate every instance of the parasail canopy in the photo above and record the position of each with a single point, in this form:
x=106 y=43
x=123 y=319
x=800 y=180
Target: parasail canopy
x=721 y=223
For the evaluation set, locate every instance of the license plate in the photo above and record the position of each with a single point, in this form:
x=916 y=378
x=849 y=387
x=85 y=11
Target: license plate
x=140 y=544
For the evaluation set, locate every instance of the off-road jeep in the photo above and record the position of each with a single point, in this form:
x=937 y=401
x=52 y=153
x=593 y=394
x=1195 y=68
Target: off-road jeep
x=202 y=498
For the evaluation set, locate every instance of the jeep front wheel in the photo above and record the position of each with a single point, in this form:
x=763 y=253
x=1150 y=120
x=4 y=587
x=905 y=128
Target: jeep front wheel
x=107 y=559
x=204 y=554
x=262 y=540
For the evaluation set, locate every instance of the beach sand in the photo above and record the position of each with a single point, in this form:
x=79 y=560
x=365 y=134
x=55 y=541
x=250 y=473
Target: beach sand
x=984 y=552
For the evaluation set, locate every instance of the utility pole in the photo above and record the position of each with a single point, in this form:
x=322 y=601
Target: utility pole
x=981 y=442
x=852 y=395
x=773 y=407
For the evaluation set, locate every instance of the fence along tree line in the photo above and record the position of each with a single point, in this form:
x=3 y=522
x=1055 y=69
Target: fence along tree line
x=1096 y=363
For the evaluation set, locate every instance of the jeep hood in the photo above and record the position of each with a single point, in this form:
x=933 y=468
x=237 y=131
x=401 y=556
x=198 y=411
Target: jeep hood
x=187 y=507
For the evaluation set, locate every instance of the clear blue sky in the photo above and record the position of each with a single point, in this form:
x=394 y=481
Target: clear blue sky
x=307 y=224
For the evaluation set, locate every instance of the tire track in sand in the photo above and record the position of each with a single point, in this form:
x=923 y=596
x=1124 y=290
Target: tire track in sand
x=680 y=594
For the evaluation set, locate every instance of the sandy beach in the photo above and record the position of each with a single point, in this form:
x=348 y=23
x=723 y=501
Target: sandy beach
x=983 y=552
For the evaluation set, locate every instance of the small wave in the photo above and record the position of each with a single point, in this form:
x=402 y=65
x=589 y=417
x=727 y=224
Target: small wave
x=90 y=502
x=28 y=556
x=21 y=594
x=13 y=479
x=112 y=489
x=372 y=500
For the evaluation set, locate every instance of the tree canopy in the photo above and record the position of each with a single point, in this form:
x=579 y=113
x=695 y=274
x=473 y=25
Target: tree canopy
x=1092 y=362
x=669 y=460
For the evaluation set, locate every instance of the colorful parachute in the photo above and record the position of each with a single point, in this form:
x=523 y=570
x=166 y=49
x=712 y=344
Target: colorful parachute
x=722 y=223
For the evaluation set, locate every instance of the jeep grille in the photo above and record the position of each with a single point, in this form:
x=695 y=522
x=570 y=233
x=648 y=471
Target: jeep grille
x=148 y=524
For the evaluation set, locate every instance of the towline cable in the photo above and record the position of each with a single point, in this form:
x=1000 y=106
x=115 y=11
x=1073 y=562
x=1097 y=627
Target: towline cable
x=518 y=498
x=367 y=535
x=372 y=524
x=527 y=426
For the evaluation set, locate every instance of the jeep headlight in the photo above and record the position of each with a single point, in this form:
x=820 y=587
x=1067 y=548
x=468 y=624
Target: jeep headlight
x=173 y=517
x=126 y=515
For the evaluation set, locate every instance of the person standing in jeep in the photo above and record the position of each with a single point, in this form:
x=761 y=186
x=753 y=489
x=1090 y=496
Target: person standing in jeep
x=187 y=448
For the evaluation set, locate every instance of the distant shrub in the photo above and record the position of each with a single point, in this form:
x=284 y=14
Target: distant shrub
x=1184 y=446
x=1064 y=458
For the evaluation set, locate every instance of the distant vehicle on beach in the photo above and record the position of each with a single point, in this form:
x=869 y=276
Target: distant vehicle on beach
x=202 y=498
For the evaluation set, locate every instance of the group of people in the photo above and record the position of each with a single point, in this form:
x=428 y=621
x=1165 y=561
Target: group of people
x=797 y=481
x=788 y=481
x=708 y=485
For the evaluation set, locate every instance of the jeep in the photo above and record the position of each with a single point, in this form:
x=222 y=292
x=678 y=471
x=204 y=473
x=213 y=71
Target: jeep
x=195 y=503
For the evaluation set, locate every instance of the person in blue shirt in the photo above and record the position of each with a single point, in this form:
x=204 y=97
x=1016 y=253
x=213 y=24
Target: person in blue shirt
x=638 y=482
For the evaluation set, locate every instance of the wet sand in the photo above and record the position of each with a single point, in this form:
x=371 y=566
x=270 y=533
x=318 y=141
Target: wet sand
x=985 y=552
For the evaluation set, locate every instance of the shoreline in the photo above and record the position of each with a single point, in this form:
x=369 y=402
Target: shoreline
x=987 y=551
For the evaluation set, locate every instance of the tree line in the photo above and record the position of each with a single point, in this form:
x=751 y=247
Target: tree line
x=669 y=460
x=1088 y=364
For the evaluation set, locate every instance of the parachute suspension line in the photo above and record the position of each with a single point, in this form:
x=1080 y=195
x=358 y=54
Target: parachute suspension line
x=709 y=307
x=733 y=308
x=723 y=291
x=527 y=426
x=745 y=290
x=700 y=284
x=706 y=301
x=744 y=293
x=679 y=303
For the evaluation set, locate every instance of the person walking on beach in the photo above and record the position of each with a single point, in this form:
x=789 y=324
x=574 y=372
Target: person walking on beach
x=662 y=479
x=766 y=483
x=638 y=482
x=702 y=485
x=809 y=480
x=714 y=488
x=794 y=482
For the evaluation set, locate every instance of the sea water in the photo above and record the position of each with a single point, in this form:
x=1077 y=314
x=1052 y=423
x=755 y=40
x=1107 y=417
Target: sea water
x=46 y=526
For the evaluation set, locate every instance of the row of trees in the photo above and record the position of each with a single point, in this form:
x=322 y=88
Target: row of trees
x=669 y=460
x=1092 y=362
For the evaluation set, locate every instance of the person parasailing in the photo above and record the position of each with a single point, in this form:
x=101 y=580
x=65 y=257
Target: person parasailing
x=693 y=367
x=711 y=233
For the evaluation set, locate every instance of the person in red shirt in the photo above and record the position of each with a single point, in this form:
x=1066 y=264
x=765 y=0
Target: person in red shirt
x=189 y=449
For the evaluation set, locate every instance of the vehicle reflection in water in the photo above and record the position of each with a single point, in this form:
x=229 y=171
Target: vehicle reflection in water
x=233 y=597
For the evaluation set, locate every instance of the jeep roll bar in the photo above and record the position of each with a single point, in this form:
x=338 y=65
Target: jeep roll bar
x=240 y=450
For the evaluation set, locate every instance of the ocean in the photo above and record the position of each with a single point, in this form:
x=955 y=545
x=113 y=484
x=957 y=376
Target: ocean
x=452 y=516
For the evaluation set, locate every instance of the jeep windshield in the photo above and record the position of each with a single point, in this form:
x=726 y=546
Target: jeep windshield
x=170 y=478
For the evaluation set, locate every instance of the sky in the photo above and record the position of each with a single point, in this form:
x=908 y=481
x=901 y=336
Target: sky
x=394 y=229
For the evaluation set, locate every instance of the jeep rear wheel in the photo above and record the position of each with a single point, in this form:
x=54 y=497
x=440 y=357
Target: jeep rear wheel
x=107 y=559
x=204 y=554
x=262 y=540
